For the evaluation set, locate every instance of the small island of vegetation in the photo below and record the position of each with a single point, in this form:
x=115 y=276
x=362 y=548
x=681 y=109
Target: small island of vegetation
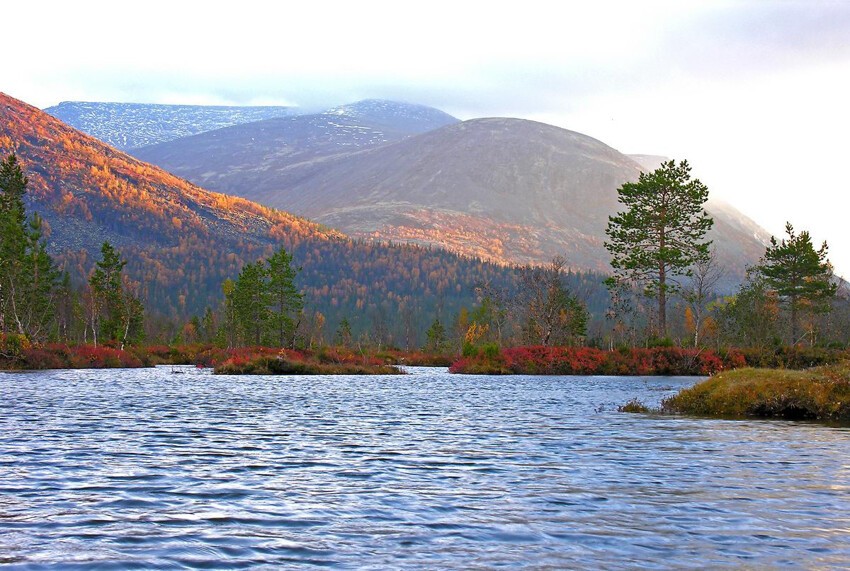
x=820 y=393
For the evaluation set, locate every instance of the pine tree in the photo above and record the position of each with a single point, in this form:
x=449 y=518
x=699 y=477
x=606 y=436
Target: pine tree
x=661 y=234
x=286 y=301
x=800 y=275
x=436 y=336
x=251 y=302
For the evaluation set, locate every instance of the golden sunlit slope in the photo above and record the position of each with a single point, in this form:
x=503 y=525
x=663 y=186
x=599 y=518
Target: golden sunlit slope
x=183 y=241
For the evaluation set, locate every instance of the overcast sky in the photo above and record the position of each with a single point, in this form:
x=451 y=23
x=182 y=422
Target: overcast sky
x=755 y=94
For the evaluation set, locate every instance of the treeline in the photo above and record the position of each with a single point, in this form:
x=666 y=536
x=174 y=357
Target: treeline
x=300 y=293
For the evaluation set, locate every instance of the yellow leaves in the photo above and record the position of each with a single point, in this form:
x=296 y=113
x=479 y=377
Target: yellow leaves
x=475 y=332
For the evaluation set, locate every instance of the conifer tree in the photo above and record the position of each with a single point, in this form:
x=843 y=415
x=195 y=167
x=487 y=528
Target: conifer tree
x=800 y=275
x=343 y=333
x=286 y=300
x=251 y=302
x=116 y=313
x=28 y=276
x=661 y=234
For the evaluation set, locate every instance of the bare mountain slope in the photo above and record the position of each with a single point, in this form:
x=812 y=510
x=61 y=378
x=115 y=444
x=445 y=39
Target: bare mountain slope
x=250 y=155
x=509 y=190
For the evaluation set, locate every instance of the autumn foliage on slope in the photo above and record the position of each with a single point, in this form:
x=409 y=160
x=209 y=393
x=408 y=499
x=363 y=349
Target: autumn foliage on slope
x=182 y=242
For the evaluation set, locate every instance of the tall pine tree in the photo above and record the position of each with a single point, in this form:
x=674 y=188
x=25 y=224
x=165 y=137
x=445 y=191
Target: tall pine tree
x=661 y=234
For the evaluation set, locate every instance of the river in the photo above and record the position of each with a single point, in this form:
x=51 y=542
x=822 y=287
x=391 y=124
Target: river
x=145 y=468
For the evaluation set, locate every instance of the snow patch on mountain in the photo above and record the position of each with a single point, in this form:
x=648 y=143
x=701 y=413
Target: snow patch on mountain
x=132 y=125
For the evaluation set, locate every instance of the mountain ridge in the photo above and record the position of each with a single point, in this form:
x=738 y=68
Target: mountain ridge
x=505 y=189
x=181 y=241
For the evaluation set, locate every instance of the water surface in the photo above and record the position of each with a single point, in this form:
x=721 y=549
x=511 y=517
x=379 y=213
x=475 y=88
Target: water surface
x=144 y=468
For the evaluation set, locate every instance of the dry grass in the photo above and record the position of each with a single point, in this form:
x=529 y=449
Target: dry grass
x=821 y=393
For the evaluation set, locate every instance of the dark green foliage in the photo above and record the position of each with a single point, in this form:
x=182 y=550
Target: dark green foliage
x=117 y=314
x=266 y=304
x=661 y=233
x=285 y=299
x=251 y=302
x=800 y=275
x=28 y=275
x=343 y=333
x=437 y=342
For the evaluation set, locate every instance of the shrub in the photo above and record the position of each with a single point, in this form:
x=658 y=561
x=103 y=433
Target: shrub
x=633 y=405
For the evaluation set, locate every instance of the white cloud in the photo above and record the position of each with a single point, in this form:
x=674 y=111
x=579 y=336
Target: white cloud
x=753 y=94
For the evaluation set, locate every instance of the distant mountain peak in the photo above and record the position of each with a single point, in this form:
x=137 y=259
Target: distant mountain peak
x=386 y=110
x=132 y=125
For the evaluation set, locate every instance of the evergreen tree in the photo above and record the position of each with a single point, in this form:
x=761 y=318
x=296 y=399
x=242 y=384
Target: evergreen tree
x=661 y=233
x=251 y=302
x=436 y=337
x=343 y=333
x=28 y=276
x=800 y=275
x=116 y=314
x=286 y=300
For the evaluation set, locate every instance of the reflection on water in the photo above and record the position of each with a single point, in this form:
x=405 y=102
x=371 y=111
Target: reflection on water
x=145 y=468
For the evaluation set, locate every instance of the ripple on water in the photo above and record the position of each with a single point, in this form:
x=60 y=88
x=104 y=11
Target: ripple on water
x=138 y=469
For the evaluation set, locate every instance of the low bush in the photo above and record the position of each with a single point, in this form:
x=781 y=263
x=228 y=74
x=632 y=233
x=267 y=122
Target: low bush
x=539 y=360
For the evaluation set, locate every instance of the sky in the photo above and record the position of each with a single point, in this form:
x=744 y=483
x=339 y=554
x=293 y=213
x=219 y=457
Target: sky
x=754 y=94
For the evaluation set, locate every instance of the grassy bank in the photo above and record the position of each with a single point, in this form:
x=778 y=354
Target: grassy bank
x=821 y=393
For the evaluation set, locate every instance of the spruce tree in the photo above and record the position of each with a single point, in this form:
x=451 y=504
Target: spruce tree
x=117 y=314
x=251 y=302
x=28 y=276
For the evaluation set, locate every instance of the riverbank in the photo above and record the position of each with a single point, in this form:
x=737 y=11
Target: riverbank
x=22 y=356
x=589 y=361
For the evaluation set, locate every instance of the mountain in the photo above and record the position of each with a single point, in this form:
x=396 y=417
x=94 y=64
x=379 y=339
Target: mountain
x=182 y=242
x=129 y=125
x=509 y=190
x=252 y=155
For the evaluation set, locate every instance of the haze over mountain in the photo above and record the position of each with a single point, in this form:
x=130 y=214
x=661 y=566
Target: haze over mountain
x=510 y=190
x=182 y=242
x=130 y=125
x=250 y=155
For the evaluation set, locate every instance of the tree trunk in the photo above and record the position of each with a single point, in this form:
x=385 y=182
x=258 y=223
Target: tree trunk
x=662 y=301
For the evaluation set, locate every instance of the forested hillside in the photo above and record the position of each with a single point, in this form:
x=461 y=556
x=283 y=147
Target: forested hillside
x=182 y=242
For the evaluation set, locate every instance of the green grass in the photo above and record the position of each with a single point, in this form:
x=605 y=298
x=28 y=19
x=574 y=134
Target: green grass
x=820 y=393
